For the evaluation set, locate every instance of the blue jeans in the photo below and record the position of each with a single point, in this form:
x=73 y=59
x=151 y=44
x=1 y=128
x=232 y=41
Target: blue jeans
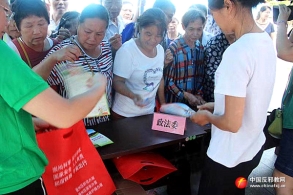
x=284 y=162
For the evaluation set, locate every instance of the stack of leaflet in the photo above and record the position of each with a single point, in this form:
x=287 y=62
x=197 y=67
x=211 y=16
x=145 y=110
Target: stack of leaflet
x=178 y=109
x=75 y=80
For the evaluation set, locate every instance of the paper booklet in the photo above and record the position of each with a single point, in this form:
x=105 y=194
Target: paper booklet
x=75 y=80
x=98 y=139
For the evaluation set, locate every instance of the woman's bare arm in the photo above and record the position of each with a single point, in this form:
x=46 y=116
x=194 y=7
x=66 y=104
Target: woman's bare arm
x=161 y=92
x=68 y=53
x=120 y=87
x=283 y=44
x=230 y=121
x=61 y=112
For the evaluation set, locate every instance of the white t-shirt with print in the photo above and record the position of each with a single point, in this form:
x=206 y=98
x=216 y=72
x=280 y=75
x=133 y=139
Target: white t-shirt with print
x=143 y=76
x=247 y=70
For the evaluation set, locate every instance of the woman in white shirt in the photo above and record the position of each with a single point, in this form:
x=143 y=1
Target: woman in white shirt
x=263 y=21
x=244 y=84
x=138 y=67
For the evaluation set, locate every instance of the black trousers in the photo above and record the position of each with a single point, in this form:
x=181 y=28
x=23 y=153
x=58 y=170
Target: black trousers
x=217 y=179
x=35 y=188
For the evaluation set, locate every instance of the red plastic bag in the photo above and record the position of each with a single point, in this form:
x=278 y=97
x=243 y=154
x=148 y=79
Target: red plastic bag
x=75 y=167
x=143 y=168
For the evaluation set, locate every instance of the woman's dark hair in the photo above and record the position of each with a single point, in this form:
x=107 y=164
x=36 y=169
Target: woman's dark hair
x=218 y=4
x=67 y=16
x=191 y=16
x=262 y=9
x=164 y=4
x=26 y=8
x=152 y=16
x=94 y=11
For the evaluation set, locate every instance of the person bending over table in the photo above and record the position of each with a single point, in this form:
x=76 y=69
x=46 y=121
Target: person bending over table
x=244 y=83
x=95 y=54
x=138 y=68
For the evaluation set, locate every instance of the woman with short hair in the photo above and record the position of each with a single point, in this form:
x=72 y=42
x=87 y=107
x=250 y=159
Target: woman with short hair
x=32 y=20
x=95 y=55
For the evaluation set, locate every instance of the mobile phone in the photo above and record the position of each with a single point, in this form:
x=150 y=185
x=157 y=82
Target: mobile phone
x=276 y=13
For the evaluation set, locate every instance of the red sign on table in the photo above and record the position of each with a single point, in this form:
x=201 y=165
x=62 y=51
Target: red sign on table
x=169 y=123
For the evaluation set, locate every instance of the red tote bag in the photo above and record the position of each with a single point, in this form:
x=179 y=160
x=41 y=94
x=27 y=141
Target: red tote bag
x=144 y=168
x=75 y=167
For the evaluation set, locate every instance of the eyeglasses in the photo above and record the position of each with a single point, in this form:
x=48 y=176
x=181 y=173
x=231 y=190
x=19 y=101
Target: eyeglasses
x=9 y=16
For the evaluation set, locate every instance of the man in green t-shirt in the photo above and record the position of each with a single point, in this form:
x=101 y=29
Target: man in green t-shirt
x=22 y=93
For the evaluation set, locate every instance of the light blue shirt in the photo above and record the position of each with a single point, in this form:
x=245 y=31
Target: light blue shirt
x=114 y=29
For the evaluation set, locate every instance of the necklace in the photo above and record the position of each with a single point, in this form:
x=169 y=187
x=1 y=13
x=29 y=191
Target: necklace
x=74 y=41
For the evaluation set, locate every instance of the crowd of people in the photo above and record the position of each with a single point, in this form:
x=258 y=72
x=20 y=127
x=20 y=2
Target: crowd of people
x=222 y=64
